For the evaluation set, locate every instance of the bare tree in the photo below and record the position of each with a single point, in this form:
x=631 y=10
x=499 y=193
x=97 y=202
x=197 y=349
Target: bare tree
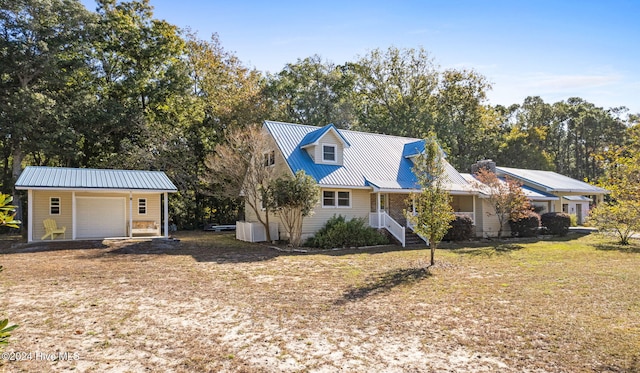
x=242 y=166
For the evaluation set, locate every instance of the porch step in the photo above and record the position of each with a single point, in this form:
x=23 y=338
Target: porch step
x=412 y=239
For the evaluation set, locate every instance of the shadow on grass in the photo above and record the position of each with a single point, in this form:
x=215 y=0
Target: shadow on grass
x=633 y=247
x=498 y=249
x=384 y=282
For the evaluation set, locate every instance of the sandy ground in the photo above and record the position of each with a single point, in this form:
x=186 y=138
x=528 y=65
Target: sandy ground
x=169 y=306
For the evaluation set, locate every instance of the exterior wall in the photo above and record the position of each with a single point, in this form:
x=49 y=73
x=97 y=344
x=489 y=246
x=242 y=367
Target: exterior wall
x=41 y=212
x=487 y=224
x=329 y=138
x=359 y=209
x=311 y=224
x=397 y=206
x=578 y=208
x=41 y=209
x=462 y=203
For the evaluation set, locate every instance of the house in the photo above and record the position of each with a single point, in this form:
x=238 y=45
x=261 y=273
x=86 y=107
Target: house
x=82 y=204
x=360 y=175
x=486 y=225
x=573 y=196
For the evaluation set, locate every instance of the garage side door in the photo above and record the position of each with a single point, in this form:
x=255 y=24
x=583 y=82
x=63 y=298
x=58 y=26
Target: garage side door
x=100 y=217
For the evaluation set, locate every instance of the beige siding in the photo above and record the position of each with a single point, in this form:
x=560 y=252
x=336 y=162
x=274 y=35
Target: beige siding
x=360 y=205
x=329 y=138
x=41 y=209
x=489 y=221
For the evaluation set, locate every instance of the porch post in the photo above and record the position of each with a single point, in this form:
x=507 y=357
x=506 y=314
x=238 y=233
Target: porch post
x=378 y=209
x=30 y=215
x=130 y=214
x=73 y=215
x=166 y=214
x=473 y=198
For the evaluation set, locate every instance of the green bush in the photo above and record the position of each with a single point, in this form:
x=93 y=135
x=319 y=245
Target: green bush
x=557 y=223
x=526 y=226
x=461 y=229
x=5 y=330
x=574 y=220
x=338 y=232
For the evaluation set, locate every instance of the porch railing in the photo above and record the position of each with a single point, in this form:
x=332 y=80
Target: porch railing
x=383 y=220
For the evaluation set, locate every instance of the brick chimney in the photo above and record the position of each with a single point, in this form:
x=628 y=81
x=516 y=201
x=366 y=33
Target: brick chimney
x=487 y=164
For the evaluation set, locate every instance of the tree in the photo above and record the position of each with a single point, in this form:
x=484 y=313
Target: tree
x=312 y=92
x=395 y=92
x=433 y=207
x=621 y=213
x=293 y=198
x=238 y=166
x=465 y=126
x=506 y=198
x=43 y=51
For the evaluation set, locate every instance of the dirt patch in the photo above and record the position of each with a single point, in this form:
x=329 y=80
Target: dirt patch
x=210 y=303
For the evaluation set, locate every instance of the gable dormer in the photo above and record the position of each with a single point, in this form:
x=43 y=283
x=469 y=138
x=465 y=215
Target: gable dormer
x=325 y=145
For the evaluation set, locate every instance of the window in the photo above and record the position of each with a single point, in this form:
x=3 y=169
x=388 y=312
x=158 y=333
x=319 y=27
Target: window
x=142 y=206
x=270 y=158
x=344 y=199
x=328 y=198
x=54 y=206
x=332 y=198
x=329 y=153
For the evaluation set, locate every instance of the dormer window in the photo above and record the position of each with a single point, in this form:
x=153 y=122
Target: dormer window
x=329 y=153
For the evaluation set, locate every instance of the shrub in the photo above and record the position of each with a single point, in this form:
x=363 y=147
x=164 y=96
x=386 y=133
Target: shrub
x=557 y=223
x=461 y=229
x=5 y=330
x=526 y=226
x=574 y=220
x=338 y=232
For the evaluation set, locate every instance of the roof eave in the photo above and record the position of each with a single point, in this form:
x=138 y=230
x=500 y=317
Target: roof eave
x=111 y=190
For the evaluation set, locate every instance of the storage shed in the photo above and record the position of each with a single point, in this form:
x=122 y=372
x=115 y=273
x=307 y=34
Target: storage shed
x=87 y=204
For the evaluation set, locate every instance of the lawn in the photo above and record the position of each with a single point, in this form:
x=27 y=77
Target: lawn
x=210 y=303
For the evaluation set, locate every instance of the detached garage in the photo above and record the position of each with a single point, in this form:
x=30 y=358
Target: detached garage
x=86 y=204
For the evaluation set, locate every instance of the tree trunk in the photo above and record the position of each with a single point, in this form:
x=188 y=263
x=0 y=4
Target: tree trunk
x=16 y=171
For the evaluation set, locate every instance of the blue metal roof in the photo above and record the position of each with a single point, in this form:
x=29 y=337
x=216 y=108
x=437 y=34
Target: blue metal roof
x=372 y=160
x=34 y=177
x=313 y=136
x=550 y=181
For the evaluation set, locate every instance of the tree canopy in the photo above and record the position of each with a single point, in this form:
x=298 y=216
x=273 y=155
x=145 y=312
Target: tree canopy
x=117 y=87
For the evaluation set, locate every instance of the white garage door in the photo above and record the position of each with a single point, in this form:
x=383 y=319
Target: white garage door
x=100 y=217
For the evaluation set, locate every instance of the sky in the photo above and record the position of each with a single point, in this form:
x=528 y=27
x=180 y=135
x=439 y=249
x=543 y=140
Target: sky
x=554 y=49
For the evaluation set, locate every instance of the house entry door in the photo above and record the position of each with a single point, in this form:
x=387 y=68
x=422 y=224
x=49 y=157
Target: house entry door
x=384 y=203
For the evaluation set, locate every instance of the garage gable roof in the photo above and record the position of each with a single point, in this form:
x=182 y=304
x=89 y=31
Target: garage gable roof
x=35 y=177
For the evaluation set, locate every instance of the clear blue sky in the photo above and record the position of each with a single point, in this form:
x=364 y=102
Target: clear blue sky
x=550 y=48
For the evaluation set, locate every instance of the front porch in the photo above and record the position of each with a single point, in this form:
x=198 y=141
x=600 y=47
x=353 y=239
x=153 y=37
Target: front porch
x=388 y=211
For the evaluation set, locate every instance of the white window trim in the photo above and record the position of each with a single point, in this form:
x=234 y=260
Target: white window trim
x=335 y=153
x=335 y=198
x=59 y=205
x=145 y=206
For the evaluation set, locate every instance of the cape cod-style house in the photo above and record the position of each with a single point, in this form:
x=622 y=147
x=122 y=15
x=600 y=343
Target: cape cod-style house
x=369 y=176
